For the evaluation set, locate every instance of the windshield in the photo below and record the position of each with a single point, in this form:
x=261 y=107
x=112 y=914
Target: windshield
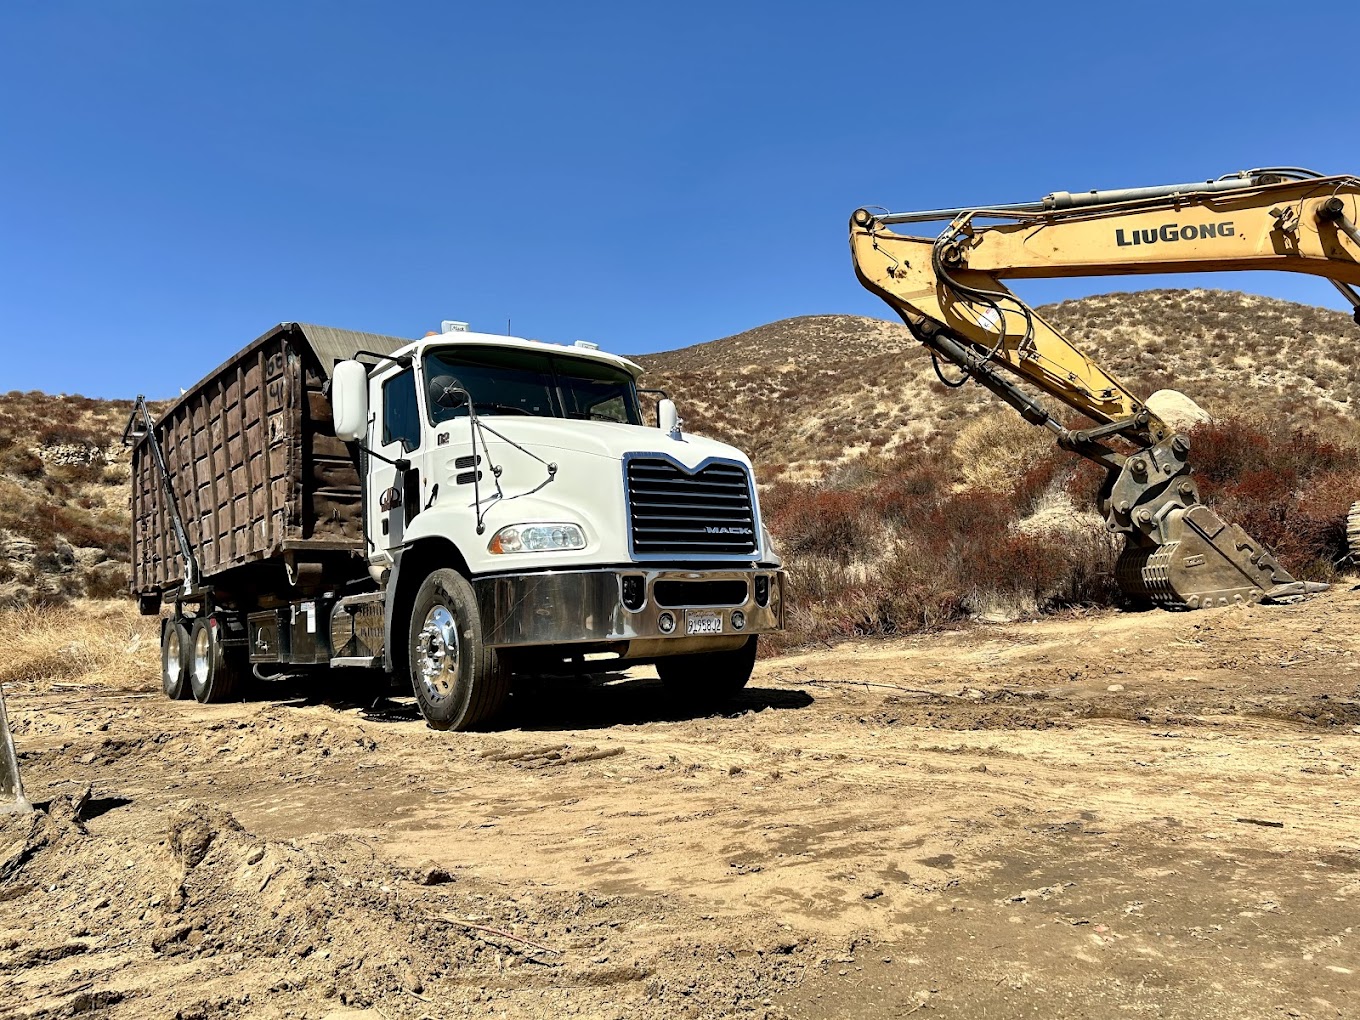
x=507 y=380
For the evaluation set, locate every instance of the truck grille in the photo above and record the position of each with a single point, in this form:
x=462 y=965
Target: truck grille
x=709 y=512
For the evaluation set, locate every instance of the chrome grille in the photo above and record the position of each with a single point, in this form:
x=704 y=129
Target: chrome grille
x=674 y=512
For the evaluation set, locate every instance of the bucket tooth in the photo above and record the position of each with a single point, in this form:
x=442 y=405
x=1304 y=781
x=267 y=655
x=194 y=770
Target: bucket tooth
x=1204 y=561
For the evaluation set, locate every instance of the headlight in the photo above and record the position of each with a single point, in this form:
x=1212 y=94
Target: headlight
x=519 y=538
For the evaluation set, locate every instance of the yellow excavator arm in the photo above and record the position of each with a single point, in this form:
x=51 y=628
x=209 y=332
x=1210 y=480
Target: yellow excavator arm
x=949 y=291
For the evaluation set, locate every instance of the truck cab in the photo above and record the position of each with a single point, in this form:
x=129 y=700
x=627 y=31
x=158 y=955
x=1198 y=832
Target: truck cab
x=521 y=515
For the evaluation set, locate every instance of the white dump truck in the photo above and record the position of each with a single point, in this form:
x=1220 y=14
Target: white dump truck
x=451 y=512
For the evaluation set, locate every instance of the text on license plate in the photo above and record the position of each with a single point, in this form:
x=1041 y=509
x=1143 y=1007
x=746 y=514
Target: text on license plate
x=704 y=623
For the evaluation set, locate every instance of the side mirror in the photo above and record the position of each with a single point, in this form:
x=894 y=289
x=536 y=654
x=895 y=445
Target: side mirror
x=668 y=418
x=447 y=391
x=349 y=401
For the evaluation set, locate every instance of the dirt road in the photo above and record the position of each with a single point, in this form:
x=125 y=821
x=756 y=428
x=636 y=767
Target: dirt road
x=1146 y=815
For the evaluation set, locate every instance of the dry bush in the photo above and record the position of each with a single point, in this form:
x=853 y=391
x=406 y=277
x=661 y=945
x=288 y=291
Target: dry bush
x=996 y=448
x=903 y=548
x=899 y=544
x=90 y=641
x=1287 y=486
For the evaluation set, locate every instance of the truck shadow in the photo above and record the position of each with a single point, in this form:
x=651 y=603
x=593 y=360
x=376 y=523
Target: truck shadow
x=616 y=699
x=536 y=703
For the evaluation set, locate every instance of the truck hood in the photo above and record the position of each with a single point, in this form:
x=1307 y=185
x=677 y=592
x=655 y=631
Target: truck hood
x=548 y=470
x=610 y=440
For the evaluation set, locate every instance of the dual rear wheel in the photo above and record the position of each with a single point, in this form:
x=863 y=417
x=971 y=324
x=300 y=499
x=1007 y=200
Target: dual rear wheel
x=196 y=661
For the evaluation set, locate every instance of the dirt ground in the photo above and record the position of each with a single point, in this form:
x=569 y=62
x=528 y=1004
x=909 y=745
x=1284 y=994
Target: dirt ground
x=1112 y=815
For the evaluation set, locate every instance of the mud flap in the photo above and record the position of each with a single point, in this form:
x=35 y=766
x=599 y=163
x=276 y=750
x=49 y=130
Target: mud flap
x=1205 y=562
x=11 y=786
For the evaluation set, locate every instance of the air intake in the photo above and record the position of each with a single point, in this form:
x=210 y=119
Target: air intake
x=672 y=511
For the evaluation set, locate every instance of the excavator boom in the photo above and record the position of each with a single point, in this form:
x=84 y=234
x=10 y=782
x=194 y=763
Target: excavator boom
x=949 y=291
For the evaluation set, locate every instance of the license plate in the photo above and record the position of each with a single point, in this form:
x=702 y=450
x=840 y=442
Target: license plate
x=703 y=623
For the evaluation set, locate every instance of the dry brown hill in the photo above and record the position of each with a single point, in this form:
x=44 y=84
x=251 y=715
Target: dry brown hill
x=819 y=390
x=804 y=396
x=64 y=523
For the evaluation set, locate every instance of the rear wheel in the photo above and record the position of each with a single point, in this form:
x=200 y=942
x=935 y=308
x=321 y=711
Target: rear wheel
x=215 y=671
x=175 y=659
x=708 y=679
x=459 y=682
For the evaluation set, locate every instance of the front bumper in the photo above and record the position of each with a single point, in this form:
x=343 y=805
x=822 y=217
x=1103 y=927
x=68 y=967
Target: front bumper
x=564 y=607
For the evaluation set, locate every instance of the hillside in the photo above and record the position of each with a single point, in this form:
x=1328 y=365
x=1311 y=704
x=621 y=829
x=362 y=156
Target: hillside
x=844 y=412
x=818 y=390
x=64 y=524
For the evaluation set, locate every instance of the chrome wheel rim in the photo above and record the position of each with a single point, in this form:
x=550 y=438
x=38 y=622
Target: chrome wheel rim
x=202 y=652
x=437 y=653
x=173 y=657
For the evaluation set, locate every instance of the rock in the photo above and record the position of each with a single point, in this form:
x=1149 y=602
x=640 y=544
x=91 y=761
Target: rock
x=72 y=453
x=430 y=873
x=64 y=555
x=1176 y=409
x=16 y=549
x=193 y=829
x=1115 y=688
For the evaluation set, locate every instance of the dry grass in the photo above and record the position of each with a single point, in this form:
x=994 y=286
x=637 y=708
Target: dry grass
x=96 y=642
x=995 y=449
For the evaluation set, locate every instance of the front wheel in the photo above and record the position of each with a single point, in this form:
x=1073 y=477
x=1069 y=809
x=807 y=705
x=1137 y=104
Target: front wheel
x=708 y=679
x=460 y=683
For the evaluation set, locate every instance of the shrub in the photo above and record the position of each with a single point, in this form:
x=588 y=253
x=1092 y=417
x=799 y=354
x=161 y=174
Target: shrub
x=1287 y=486
x=817 y=520
x=897 y=544
x=108 y=581
x=21 y=463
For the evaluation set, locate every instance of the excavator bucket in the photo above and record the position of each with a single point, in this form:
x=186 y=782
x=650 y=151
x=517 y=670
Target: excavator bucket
x=11 y=786
x=1203 y=561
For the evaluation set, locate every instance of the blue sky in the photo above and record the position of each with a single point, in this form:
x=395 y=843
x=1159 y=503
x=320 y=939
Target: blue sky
x=176 y=177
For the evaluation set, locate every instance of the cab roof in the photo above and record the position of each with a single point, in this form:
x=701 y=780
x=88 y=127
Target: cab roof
x=330 y=345
x=467 y=338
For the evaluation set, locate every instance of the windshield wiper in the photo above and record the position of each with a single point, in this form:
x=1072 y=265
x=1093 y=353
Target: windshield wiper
x=505 y=407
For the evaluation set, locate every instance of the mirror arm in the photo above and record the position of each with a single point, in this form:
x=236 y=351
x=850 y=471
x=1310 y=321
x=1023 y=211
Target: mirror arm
x=660 y=396
x=402 y=464
x=402 y=361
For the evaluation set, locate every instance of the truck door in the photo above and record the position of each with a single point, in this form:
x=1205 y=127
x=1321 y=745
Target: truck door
x=396 y=435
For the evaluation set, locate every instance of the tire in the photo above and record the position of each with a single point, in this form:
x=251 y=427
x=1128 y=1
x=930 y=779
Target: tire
x=215 y=672
x=175 y=644
x=708 y=679
x=459 y=682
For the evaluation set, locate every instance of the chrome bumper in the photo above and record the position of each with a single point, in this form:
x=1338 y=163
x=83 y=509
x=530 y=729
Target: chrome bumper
x=587 y=606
